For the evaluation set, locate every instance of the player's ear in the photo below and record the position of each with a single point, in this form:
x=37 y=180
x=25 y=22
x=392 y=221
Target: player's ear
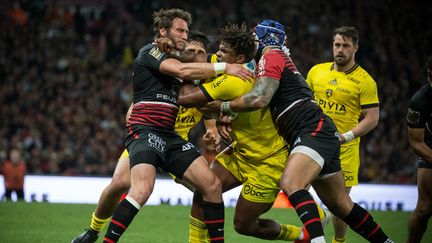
x=241 y=59
x=162 y=32
x=356 y=46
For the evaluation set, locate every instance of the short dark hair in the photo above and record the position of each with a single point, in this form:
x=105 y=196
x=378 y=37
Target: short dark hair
x=240 y=38
x=347 y=32
x=198 y=36
x=164 y=17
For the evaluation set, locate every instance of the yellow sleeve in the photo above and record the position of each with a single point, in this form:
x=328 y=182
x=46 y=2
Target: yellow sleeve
x=310 y=77
x=368 y=93
x=226 y=87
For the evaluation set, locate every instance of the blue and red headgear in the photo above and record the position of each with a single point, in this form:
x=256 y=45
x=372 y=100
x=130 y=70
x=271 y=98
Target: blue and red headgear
x=270 y=33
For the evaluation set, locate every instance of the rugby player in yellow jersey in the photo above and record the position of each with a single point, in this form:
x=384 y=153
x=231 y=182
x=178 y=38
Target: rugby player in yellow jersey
x=346 y=92
x=120 y=182
x=257 y=156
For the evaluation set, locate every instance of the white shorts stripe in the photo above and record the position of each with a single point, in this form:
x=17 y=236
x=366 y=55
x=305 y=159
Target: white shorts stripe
x=309 y=152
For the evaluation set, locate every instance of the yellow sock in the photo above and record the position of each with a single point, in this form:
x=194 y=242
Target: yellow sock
x=97 y=223
x=334 y=240
x=320 y=211
x=289 y=232
x=198 y=232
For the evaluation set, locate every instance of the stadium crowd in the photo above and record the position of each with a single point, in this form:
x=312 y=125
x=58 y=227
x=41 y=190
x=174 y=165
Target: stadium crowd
x=65 y=72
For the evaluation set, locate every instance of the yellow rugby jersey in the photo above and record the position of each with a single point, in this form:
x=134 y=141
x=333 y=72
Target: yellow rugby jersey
x=186 y=119
x=343 y=95
x=253 y=132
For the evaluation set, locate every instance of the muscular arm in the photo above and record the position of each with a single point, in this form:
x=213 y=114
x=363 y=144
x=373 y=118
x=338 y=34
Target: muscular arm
x=193 y=70
x=259 y=97
x=416 y=140
x=369 y=121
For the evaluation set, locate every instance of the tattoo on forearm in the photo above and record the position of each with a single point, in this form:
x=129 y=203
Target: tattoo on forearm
x=262 y=93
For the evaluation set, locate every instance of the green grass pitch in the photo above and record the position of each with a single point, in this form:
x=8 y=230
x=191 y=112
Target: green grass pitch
x=44 y=222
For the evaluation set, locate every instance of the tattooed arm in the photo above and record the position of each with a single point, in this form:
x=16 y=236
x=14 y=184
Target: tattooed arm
x=259 y=97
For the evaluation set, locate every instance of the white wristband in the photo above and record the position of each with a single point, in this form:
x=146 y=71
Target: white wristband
x=225 y=107
x=349 y=136
x=219 y=67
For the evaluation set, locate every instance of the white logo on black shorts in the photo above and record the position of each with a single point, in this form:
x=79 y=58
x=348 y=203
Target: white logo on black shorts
x=187 y=146
x=156 y=142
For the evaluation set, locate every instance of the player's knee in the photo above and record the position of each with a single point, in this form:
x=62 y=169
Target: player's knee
x=120 y=183
x=424 y=209
x=289 y=186
x=213 y=186
x=142 y=192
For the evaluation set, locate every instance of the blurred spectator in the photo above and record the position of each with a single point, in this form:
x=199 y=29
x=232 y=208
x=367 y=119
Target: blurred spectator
x=65 y=73
x=13 y=171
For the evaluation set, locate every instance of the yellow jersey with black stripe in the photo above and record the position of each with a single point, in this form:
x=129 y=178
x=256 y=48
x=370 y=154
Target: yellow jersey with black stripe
x=343 y=95
x=254 y=134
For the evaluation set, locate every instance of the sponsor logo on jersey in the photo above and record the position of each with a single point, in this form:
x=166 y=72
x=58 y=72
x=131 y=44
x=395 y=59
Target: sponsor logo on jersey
x=353 y=79
x=218 y=82
x=186 y=119
x=156 y=142
x=331 y=106
x=166 y=97
x=156 y=53
x=333 y=82
x=413 y=117
x=343 y=90
x=261 y=67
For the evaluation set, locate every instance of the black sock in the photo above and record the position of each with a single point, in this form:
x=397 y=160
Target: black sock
x=122 y=217
x=363 y=223
x=307 y=210
x=214 y=216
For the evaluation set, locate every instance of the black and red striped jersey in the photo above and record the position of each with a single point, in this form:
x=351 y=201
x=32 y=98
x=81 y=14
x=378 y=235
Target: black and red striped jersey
x=155 y=95
x=292 y=87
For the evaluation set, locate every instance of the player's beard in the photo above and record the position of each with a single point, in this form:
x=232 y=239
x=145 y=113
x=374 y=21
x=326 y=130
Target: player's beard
x=342 y=61
x=179 y=44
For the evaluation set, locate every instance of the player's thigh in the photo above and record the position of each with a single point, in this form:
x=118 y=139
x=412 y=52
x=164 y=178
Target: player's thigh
x=228 y=180
x=424 y=182
x=121 y=176
x=142 y=181
x=299 y=172
x=200 y=175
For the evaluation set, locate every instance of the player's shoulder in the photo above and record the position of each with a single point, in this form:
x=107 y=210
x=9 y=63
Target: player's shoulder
x=423 y=95
x=361 y=74
x=324 y=66
x=150 y=50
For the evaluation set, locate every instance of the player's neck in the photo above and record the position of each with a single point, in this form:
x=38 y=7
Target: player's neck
x=345 y=67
